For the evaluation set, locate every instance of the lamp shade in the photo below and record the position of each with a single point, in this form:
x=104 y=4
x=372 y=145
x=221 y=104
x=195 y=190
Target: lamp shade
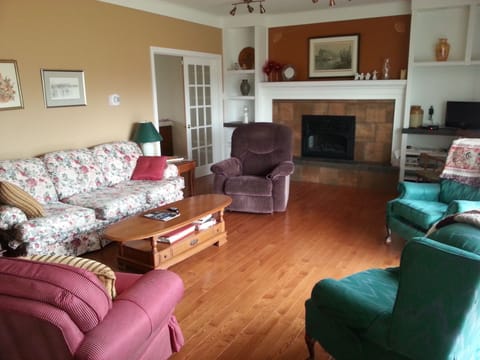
x=146 y=133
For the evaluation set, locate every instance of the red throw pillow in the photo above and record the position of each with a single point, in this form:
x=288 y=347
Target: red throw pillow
x=149 y=168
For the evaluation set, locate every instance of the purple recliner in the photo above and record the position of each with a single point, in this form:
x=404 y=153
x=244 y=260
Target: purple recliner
x=257 y=176
x=52 y=311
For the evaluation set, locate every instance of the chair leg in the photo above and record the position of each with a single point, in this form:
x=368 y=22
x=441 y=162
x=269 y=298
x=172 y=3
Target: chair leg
x=388 y=237
x=310 y=346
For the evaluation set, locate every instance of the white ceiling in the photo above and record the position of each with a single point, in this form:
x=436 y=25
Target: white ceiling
x=223 y=7
x=278 y=12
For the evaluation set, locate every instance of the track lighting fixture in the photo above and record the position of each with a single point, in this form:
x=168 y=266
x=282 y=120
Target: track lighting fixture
x=249 y=6
x=261 y=7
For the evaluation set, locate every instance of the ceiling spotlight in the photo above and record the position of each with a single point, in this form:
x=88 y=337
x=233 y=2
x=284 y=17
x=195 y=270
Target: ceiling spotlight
x=262 y=9
x=233 y=11
x=250 y=9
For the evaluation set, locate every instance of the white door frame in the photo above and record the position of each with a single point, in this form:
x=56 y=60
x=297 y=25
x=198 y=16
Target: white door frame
x=217 y=113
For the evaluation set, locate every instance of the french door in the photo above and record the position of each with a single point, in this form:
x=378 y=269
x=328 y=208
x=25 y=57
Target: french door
x=202 y=116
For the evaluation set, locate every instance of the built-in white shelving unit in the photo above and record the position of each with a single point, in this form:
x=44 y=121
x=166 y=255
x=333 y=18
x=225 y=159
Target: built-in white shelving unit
x=433 y=83
x=235 y=39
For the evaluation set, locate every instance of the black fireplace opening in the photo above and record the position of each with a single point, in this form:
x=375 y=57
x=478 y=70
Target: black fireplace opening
x=328 y=136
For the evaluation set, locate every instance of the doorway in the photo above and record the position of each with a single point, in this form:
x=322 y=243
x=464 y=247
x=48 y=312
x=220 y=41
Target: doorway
x=187 y=94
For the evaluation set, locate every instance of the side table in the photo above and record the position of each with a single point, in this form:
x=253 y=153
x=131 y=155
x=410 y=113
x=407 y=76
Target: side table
x=186 y=168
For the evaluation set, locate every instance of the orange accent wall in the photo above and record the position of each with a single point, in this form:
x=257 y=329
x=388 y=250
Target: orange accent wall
x=379 y=38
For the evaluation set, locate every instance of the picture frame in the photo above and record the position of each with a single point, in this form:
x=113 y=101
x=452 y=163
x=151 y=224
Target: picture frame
x=10 y=89
x=63 y=88
x=333 y=56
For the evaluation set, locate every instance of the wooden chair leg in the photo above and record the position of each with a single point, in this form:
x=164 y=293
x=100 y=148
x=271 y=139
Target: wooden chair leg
x=310 y=346
x=388 y=238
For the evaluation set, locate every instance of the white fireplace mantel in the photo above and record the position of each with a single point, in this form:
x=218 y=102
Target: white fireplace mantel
x=337 y=90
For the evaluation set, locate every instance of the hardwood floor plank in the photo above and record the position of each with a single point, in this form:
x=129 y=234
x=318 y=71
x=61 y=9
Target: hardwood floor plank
x=245 y=300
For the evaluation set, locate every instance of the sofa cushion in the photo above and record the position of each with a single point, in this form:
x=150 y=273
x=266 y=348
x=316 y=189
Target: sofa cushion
x=422 y=214
x=76 y=291
x=159 y=192
x=117 y=160
x=104 y=273
x=149 y=168
x=248 y=185
x=12 y=195
x=59 y=221
x=31 y=176
x=111 y=203
x=73 y=171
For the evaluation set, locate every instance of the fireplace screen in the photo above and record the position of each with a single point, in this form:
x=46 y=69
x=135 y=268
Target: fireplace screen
x=328 y=136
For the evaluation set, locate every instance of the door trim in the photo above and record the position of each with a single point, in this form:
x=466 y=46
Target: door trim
x=217 y=78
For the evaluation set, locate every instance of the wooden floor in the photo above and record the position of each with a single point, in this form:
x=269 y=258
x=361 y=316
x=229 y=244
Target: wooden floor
x=245 y=300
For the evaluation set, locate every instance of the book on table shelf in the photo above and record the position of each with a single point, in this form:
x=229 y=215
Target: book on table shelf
x=178 y=234
x=174 y=159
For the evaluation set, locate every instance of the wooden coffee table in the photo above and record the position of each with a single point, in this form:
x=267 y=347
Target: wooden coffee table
x=138 y=236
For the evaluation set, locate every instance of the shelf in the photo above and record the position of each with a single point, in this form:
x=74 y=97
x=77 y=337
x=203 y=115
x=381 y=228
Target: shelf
x=443 y=132
x=241 y=72
x=240 y=97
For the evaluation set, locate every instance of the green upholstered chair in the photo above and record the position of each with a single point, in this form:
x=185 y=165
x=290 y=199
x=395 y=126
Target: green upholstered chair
x=420 y=205
x=427 y=309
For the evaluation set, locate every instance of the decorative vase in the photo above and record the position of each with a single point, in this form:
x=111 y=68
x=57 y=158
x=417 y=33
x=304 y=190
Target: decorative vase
x=244 y=87
x=442 y=49
x=416 y=116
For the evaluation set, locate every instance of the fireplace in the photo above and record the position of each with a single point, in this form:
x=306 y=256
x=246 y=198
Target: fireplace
x=328 y=136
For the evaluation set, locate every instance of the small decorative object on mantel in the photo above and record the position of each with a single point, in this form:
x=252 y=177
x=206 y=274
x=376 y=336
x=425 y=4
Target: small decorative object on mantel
x=272 y=69
x=244 y=87
x=386 y=69
x=416 y=116
x=374 y=77
x=442 y=49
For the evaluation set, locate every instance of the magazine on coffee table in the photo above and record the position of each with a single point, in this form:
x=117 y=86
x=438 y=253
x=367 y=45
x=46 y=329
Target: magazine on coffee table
x=162 y=215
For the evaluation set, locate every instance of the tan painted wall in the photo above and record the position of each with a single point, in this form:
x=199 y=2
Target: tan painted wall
x=110 y=43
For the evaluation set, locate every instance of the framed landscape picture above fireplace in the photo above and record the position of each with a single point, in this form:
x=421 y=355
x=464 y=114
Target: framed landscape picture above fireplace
x=333 y=56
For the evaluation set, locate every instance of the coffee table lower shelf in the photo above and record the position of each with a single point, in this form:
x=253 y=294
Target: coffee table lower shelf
x=138 y=255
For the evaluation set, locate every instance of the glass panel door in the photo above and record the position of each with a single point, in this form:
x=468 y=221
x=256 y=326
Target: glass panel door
x=201 y=113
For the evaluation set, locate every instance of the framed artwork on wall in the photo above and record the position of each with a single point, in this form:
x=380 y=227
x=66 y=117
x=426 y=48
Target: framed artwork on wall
x=63 y=88
x=333 y=56
x=10 y=90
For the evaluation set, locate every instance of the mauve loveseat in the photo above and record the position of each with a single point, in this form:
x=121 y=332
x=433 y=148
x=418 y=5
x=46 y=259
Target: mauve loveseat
x=82 y=191
x=58 y=312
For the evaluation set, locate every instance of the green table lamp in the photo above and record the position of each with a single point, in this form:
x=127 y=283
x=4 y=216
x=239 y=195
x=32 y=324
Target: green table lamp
x=146 y=135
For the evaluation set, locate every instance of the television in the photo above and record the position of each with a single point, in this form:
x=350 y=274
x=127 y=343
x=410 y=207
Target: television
x=463 y=114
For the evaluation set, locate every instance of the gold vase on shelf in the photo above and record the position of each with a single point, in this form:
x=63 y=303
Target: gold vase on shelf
x=442 y=49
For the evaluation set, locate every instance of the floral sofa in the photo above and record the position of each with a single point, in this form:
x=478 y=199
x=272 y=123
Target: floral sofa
x=81 y=191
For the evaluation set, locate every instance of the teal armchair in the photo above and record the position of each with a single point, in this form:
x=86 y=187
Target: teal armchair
x=421 y=205
x=427 y=309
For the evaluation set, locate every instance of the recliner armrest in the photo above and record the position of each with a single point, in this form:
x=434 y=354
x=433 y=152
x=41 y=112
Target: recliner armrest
x=419 y=191
x=228 y=167
x=285 y=168
x=136 y=314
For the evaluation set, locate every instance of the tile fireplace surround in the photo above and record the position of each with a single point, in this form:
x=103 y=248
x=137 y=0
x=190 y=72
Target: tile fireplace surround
x=378 y=109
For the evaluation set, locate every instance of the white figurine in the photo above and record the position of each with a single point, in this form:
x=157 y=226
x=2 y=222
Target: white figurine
x=386 y=69
x=374 y=75
x=368 y=76
x=357 y=76
x=362 y=76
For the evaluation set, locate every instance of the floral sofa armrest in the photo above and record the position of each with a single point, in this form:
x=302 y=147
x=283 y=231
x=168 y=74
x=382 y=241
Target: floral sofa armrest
x=170 y=171
x=11 y=216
